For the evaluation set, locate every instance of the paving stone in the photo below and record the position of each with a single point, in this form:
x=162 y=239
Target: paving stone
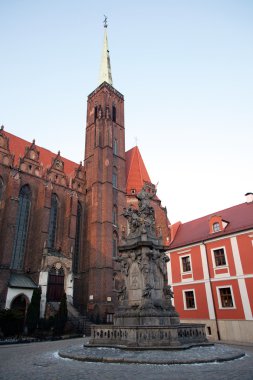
x=40 y=361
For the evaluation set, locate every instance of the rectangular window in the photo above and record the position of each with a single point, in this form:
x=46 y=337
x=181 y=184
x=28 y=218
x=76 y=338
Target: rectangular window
x=226 y=298
x=186 y=264
x=216 y=227
x=109 y=318
x=219 y=257
x=189 y=299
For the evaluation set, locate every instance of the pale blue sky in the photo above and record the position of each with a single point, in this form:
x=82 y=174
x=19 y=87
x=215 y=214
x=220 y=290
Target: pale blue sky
x=185 y=68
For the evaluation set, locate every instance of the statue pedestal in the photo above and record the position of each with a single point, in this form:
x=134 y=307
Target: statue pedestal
x=145 y=317
x=147 y=336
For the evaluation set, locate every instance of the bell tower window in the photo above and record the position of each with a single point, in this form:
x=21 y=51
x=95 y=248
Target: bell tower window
x=114 y=114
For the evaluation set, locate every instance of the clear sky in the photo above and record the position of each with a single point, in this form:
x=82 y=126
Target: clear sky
x=185 y=68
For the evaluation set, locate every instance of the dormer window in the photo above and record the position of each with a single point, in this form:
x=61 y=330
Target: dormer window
x=216 y=227
x=217 y=224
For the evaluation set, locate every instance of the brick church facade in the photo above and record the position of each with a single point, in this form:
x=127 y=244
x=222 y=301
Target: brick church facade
x=61 y=221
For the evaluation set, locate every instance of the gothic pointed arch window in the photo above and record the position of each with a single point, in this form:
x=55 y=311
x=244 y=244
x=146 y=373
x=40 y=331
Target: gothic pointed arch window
x=22 y=221
x=77 y=238
x=53 y=221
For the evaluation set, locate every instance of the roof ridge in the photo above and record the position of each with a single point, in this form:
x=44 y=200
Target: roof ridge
x=213 y=213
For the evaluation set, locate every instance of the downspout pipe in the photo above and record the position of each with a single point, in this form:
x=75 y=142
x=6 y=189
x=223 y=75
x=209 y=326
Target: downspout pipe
x=214 y=307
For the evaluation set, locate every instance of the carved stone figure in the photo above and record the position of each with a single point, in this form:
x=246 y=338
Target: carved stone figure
x=147 y=291
x=121 y=293
x=144 y=197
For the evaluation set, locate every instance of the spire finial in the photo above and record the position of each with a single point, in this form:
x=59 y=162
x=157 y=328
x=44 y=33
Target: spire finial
x=105 y=68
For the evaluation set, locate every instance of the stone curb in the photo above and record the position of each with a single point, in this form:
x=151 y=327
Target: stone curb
x=152 y=362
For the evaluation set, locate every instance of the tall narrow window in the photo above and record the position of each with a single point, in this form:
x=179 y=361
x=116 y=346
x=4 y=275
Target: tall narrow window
x=24 y=205
x=115 y=216
x=115 y=146
x=95 y=113
x=114 y=114
x=115 y=178
x=53 y=221
x=77 y=239
x=115 y=245
x=1 y=189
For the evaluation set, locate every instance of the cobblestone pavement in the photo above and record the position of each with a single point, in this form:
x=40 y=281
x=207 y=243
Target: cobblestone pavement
x=37 y=361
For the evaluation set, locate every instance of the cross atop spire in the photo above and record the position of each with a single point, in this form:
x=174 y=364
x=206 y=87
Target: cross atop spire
x=105 y=74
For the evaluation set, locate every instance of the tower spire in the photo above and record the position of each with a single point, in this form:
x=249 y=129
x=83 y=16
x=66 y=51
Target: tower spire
x=105 y=68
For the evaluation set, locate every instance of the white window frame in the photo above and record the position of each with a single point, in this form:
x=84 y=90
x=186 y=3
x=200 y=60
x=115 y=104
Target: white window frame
x=213 y=258
x=219 y=297
x=181 y=264
x=214 y=228
x=184 y=299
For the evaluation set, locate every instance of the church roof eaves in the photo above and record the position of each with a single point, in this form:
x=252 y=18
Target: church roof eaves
x=18 y=145
x=239 y=217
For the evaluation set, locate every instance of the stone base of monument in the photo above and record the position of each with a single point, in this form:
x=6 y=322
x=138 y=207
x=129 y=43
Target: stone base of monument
x=147 y=337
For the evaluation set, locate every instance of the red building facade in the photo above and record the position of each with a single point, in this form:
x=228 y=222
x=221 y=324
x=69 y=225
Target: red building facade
x=211 y=271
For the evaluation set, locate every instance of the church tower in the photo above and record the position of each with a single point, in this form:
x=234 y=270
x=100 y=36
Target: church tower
x=105 y=192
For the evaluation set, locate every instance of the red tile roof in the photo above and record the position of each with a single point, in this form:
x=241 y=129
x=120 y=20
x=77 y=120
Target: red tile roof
x=239 y=218
x=17 y=147
x=136 y=172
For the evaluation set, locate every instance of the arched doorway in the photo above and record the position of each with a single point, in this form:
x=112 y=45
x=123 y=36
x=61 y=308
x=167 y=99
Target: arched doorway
x=19 y=304
x=55 y=287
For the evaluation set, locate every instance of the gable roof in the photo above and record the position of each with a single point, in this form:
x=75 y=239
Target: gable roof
x=136 y=172
x=239 y=218
x=18 y=146
x=21 y=281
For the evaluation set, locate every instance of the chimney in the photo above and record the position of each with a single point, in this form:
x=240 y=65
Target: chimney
x=249 y=197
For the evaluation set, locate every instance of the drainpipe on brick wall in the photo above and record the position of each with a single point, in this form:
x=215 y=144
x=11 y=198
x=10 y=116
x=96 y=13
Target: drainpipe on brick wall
x=214 y=308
